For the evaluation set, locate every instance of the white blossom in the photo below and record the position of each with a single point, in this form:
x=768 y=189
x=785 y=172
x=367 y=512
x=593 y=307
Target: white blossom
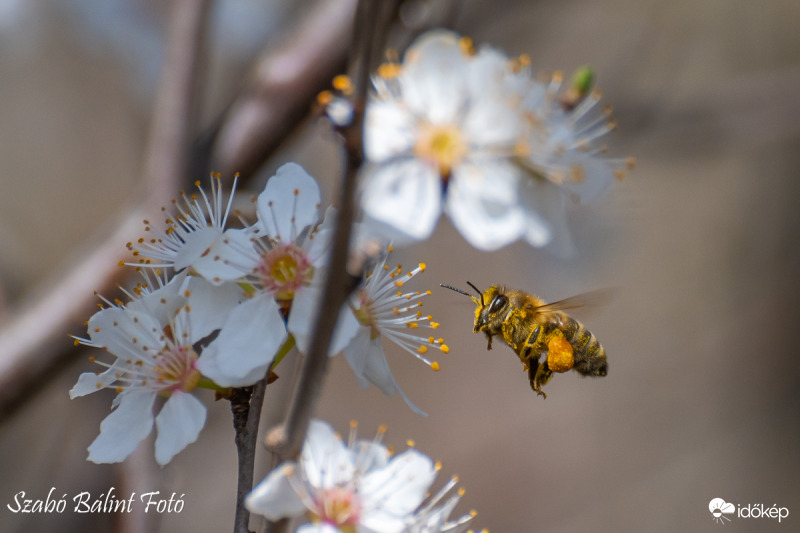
x=380 y=309
x=153 y=338
x=472 y=134
x=353 y=487
x=193 y=235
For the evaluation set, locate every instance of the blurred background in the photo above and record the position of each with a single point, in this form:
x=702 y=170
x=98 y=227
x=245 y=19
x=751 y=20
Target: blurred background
x=700 y=244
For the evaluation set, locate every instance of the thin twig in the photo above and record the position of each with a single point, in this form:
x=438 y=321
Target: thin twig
x=286 y=439
x=33 y=341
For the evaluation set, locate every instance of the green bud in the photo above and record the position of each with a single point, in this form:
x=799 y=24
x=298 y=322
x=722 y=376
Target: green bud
x=582 y=79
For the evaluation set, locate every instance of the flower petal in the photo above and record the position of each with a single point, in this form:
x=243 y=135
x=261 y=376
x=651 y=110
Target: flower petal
x=388 y=130
x=230 y=257
x=196 y=243
x=405 y=195
x=210 y=305
x=178 y=425
x=275 y=496
x=322 y=527
x=482 y=202
x=399 y=488
x=125 y=333
x=289 y=203
x=247 y=343
x=161 y=303
x=547 y=220
x=433 y=78
x=126 y=426
x=367 y=359
x=326 y=460
x=89 y=382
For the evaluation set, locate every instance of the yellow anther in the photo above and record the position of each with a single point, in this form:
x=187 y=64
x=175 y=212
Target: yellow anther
x=434 y=325
x=465 y=43
x=342 y=83
x=410 y=443
x=445 y=348
x=324 y=97
x=422 y=349
x=398 y=283
x=435 y=366
x=437 y=466
x=389 y=70
x=422 y=267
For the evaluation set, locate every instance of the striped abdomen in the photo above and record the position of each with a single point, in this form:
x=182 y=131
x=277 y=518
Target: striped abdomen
x=590 y=357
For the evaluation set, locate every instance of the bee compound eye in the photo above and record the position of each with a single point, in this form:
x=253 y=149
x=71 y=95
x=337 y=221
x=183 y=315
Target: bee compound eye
x=498 y=303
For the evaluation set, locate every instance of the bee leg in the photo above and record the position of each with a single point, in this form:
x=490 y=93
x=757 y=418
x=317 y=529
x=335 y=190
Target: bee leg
x=489 y=337
x=539 y=374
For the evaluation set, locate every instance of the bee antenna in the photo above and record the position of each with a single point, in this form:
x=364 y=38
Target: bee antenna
x=455 y=289
x=478 y=291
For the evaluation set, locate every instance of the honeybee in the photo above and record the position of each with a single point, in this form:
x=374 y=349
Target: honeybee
x=534 y=328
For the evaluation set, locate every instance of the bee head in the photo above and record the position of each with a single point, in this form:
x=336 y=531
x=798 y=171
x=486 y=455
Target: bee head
x=488 y=317
x=488 y=306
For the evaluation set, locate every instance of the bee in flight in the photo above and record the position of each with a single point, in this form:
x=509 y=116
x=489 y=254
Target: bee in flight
x=545 y=339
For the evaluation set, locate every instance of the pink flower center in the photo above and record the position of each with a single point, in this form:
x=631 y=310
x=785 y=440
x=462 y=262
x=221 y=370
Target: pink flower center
x=339 y=506
x=285 y=269
x=174 y=369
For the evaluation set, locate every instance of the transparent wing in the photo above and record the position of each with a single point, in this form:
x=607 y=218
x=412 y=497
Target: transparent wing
x=584 y=301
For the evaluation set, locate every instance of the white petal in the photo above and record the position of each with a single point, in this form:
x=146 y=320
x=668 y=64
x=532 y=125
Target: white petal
x=89 y=382
x=322 y=527
x=357 y=351
x=289 y=203
x=178 y=424
x=489 y=75
x=492 y=125
x=275 y=496
x=161 y=303
x=433 y=78
x=247 y=343
x=126 y=426
x=326 y=460
x=210 y=305
x=389 y=130
x=196 y=243
x=125 y=333
x=318 y=244
x=597 y=176
x=547 y=221
x=406 y=195
x=377 y=372
x=482 y=203
x=230 y=257
x=369 y=456
x=400 y=487
x=302 y=318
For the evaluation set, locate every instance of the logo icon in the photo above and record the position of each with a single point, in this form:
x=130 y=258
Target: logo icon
x=719 y=508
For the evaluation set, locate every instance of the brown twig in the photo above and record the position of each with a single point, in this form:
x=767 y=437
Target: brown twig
x=286 y=439
x=282 y=83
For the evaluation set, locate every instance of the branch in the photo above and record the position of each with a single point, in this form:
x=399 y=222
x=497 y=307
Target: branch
x=286 y=439
x=32 y=341
x=283 y=83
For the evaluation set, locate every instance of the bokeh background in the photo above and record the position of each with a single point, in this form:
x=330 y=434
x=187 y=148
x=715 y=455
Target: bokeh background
x=700 y=244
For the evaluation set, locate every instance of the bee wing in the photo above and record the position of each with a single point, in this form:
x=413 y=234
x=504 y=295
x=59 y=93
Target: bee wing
x=586 y=300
